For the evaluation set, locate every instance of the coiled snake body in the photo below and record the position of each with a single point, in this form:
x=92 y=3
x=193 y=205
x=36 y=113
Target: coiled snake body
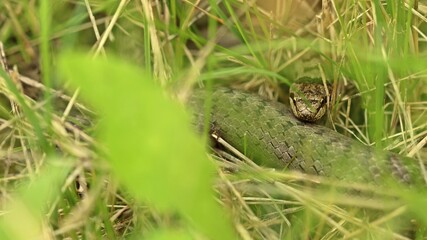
x=268 y=133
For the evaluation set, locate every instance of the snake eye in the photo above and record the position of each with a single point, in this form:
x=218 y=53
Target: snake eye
x=324 y=100
x=292 y=97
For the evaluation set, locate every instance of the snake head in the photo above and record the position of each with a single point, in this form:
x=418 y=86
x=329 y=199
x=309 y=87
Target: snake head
x=308 y=100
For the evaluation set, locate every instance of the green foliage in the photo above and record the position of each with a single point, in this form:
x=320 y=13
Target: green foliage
x=26 y=212
x=151 y=148
x=168 y=235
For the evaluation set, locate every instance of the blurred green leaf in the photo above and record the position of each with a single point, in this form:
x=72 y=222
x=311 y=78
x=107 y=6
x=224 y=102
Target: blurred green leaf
x=169 y=235
x=24 y=217
x=416 y=200
x=151 y=146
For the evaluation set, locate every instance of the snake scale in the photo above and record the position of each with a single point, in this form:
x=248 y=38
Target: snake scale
x=269 y=134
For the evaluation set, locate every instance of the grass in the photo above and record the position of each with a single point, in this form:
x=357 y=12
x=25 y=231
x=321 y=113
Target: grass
x=92 y=149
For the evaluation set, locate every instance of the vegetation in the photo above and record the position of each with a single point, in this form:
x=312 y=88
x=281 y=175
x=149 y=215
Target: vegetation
x=95 y=142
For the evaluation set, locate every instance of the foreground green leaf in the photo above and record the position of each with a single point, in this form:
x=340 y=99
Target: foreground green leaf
x=24 y=216
x=151 y=146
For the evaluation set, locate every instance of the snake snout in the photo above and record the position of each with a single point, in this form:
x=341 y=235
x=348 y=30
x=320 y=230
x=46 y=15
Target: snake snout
x=309 y=110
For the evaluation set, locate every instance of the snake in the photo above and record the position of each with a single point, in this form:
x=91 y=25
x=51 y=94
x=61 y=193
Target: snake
x=269 y=134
